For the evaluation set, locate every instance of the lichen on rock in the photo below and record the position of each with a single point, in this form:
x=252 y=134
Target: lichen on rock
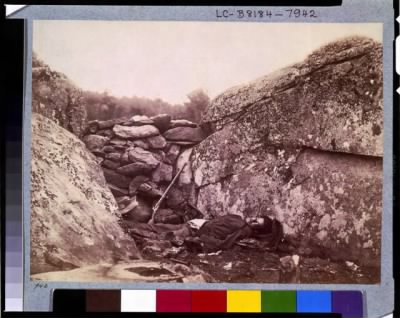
x=74 y=216
x=303 y=145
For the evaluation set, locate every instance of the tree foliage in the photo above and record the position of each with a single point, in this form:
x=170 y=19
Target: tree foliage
x=56 y=97
x=102 y=106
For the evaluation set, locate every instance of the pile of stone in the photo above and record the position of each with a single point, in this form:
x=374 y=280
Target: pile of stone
x=139 y=157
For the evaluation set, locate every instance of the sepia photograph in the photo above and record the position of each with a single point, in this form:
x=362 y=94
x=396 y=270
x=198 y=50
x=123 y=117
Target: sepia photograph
x=206 y=152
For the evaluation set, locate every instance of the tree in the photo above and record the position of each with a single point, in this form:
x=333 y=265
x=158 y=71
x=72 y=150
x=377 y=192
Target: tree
x=198 y=103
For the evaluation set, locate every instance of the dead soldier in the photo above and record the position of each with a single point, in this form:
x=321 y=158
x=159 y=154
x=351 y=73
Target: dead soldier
x=223 y=232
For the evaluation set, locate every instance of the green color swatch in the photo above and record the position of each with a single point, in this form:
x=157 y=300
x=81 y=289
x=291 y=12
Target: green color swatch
x=278 y=301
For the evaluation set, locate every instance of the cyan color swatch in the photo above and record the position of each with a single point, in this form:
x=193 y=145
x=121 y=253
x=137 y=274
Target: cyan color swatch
x=314 y=301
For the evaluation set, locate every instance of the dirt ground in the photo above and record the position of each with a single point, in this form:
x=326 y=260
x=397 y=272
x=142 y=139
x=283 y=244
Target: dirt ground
x=244 y=265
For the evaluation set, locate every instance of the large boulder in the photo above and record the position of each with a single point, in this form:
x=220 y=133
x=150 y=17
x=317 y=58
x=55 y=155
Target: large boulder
x=135 y=132
x=296 y=106
x=74 y=219
x=303 y=145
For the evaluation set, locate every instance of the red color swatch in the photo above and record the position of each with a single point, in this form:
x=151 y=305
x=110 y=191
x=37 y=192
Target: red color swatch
x=174 y=301
x=209 y=301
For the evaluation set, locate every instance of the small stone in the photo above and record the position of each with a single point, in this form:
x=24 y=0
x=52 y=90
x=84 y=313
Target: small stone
x=123 y=200
x=167 y=216
x=93 y=126
x=156 y=142
x=110 y=123
x=106 y=133
x=116 y=191
x=135 y=169
x=135 y=132
x=108 y=149
x=183 y=143
x=159 y=155
x=125 y=158
x=182 y=123
x=99 y=160
x=150 y=190
x=139 y=143
x=162 y=173
x=120 y=142
x=129 y=206
x=162 y=121
x=116 y=179
x=175 y=198
x=287 y=264
x=139 y=211
x=114 y=156
x=173 y=153
x=95 y=142
x=136 y=182
x=139 y=120
x=227 y=266
x=110 y=164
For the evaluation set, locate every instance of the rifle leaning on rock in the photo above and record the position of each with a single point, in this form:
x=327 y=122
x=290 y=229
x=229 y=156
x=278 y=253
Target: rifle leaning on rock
x=157 y=205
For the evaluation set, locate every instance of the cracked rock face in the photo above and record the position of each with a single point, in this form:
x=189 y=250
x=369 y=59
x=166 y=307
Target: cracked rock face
x=332 y=101
x=73 y=213
x=304 y=145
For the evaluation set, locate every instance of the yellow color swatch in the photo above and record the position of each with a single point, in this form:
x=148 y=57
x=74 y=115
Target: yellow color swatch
x=243 y=301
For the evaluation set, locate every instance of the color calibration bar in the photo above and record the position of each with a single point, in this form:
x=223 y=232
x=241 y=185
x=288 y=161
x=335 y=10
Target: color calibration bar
x=13 y=223
x=347 y=303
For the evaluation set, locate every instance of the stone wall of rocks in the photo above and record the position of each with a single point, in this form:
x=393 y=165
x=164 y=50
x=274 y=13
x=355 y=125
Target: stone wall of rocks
x=139 y=157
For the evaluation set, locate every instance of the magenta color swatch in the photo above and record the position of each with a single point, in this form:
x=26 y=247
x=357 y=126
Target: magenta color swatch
x=174 y=301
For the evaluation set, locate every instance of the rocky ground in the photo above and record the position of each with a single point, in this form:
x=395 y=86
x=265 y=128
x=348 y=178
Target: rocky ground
x=303 y=145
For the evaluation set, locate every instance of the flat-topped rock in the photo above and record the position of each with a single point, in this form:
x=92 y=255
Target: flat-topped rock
x=182 y=123
x=135 y=132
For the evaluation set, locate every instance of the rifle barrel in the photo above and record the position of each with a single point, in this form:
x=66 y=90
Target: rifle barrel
x=157 y=205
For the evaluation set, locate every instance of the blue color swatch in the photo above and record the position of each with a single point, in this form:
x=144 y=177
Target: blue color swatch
x=314 y=301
